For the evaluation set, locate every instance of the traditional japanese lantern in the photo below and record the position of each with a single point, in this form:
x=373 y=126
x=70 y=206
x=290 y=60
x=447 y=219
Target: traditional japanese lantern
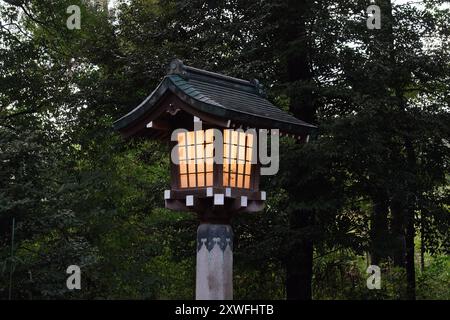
x=213 y=123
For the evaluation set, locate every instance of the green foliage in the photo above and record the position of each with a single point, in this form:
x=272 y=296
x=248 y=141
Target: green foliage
x=342 y=275
x=81 y=195
x=434 y=282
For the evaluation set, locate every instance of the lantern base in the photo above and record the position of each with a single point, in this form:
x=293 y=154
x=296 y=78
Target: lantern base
x=215 y=204
x=214 y=279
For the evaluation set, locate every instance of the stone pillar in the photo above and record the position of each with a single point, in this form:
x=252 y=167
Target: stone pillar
x=214 y=279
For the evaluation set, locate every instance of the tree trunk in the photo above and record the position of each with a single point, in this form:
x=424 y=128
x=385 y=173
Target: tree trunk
x=300 y=262
x=299 y=273
x=410 y=268
x=422 y=240
x=410 y=219
x=379 y=230
x=404 y=203
x=397 y=232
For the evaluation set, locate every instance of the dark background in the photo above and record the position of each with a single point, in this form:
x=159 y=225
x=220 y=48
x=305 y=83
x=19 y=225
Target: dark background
x=371 y=189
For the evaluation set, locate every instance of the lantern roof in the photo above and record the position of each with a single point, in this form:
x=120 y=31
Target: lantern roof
x=221 y=100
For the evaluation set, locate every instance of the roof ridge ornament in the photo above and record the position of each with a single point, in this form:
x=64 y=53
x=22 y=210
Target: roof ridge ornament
x=259 y=87
x=177 y=66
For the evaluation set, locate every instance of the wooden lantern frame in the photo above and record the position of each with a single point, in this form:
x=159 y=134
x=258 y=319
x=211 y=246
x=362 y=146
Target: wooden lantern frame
x=218 y=197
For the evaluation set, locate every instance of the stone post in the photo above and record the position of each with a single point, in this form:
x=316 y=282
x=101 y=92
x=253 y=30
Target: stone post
x=214 y=280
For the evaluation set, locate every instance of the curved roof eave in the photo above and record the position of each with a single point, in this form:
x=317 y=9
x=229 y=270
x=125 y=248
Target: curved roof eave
x=208 y=106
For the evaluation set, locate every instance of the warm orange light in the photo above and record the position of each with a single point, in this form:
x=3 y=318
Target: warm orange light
x=196 y=155
x=195 y=152
x=237 y=164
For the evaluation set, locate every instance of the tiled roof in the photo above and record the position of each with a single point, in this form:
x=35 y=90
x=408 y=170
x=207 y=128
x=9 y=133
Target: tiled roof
x=233 y=99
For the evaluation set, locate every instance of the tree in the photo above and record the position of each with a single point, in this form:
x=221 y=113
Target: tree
x=376 y=174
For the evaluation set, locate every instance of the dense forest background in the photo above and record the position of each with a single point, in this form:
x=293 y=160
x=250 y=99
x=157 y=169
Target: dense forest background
x=371 y=188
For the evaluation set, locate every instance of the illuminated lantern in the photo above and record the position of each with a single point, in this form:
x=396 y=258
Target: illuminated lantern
x=212 y=123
